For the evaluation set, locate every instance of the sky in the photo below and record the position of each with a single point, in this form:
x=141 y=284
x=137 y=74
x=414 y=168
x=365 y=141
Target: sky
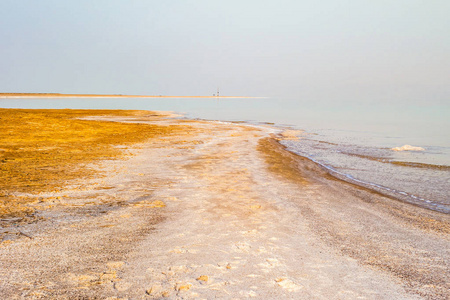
x=359 y=50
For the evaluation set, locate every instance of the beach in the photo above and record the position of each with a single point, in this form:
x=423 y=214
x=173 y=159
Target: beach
x=219 y=210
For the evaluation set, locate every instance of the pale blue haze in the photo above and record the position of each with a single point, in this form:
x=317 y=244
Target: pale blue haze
x=331 y=51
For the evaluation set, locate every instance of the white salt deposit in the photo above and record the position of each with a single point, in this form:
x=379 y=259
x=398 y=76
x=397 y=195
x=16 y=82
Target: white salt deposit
x=408 y=148
x=291 y=134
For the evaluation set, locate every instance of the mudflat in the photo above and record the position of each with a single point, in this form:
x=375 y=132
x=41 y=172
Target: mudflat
x=196 y=210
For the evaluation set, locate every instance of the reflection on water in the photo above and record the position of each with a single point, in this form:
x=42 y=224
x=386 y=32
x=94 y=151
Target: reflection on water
x=352 y=137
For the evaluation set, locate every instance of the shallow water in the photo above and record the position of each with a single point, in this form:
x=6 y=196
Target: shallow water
x=351 y=138
x=381 y=169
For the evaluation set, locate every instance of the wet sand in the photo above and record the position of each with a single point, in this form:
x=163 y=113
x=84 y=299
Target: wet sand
x=224 y=212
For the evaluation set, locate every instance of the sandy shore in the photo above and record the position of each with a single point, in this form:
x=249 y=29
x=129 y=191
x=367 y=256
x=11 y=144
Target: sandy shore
x=226 y=213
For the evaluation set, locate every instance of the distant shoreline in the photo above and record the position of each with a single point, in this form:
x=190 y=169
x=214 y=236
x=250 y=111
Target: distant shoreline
x=58 y=95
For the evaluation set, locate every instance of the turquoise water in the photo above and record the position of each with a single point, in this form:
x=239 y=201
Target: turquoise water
x=351 y=138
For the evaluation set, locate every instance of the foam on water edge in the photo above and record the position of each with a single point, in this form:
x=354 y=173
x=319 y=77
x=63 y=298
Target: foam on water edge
x=382 y=188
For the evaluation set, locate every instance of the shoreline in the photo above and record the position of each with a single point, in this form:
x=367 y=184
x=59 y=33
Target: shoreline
x=412 y=208
x=225 y=211
x=392 y=193
x=404 y=190
x=57 y=95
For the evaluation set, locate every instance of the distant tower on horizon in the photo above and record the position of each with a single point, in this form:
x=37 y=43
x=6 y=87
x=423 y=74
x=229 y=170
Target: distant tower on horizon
x=217 y=92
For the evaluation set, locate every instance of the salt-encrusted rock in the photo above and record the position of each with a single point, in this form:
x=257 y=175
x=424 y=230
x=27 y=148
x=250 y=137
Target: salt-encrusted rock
x=182 y=287
x=408 y=148
x=203 y=279
x=154 y=289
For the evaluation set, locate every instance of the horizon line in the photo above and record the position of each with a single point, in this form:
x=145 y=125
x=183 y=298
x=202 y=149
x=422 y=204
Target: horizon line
x=60 y=95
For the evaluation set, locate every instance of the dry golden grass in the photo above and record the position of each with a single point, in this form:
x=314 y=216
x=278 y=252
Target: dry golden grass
x=40 y=150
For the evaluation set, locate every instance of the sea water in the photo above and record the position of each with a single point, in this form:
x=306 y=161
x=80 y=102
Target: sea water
x=353 y=139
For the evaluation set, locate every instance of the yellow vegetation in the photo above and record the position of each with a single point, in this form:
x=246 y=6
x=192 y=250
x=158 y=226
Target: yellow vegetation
x=40 y=150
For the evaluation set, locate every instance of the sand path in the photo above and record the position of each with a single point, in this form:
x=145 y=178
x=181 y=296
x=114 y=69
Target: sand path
x=203 y=217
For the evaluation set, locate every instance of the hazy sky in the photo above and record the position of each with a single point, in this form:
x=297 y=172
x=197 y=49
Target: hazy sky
x=363 y=50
